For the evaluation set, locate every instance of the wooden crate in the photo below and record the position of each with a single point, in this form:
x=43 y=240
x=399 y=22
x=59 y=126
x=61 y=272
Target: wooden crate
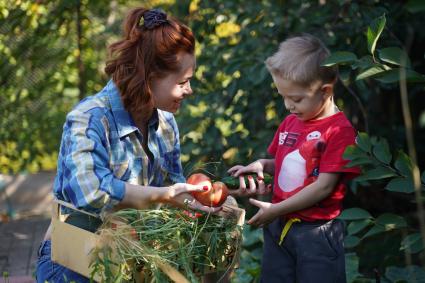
x=71 y=245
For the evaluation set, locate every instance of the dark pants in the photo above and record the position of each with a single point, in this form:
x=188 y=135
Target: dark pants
x=311 y=252
x=48 y=271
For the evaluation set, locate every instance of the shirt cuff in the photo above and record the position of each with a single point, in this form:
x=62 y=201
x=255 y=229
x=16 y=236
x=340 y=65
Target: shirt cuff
x=117 y=195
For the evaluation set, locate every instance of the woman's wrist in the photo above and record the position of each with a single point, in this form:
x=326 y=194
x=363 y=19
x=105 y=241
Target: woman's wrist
x=141 y=197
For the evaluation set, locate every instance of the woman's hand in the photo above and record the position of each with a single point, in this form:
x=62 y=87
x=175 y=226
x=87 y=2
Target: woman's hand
x=179 y=195
x=256 y=167
x=180 y=188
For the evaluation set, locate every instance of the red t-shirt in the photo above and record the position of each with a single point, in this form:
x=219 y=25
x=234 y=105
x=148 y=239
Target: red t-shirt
x=302 y=150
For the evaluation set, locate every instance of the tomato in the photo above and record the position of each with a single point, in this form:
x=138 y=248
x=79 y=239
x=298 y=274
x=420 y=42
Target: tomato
x=219 y=193
x=216 y=194
x=200 y=179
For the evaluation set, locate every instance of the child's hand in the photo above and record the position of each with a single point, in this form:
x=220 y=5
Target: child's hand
x=244 y=190
x=266 y=213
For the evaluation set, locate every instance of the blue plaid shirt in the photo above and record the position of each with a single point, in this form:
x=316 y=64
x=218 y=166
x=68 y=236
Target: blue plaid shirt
x=101 y=150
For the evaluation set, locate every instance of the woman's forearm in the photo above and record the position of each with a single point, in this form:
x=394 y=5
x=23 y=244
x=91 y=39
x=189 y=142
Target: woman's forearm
x=141 y=197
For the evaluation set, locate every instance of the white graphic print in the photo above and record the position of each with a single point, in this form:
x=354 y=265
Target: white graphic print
x=313 y=135
x=282 y=137
x=293 y=170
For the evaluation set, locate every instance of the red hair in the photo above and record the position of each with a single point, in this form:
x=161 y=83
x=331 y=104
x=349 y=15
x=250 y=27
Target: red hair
x=144 y=54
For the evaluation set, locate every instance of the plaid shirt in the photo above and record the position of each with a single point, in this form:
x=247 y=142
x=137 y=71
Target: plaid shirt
x=101 y=150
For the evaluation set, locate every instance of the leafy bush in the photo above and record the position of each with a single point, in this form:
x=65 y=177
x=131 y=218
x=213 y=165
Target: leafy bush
x=48 y=65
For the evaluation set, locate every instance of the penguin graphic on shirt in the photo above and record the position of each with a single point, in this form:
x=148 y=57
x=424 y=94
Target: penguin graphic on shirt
x=301 y=166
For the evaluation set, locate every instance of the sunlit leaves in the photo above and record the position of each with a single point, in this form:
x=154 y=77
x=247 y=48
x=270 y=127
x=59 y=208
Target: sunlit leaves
x=372 y=71
x=40 y=68
x=373 y=32
x=227 y=29
x=394 y=55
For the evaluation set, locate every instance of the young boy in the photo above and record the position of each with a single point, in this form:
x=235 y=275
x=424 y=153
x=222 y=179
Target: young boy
x=303 y=242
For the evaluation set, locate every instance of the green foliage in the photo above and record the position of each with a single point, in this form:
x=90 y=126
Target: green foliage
x=405 y=274
x=354 y=214
x=250 y=259
x=352 y=261
x=340 y=57
x=235 y=110
x=374 y=156
x=374 y=32
x=412 y=243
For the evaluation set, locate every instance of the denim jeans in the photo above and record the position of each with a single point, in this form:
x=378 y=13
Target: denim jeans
x=48 y=271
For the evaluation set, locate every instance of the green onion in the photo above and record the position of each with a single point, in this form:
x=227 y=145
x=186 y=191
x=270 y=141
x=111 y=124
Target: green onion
x=132 y=239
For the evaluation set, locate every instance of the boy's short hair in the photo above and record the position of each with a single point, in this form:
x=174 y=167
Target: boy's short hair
x=299 y=60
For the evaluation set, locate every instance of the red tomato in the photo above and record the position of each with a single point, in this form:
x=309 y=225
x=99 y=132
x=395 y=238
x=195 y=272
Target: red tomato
x=200 y=179
x=220 y=193
x=215 y=196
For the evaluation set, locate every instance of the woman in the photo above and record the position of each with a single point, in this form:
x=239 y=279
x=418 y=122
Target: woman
x=121 y=146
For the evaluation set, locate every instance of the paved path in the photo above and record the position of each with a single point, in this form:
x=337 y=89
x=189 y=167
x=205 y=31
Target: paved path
x=19 y=240
x=27 y=198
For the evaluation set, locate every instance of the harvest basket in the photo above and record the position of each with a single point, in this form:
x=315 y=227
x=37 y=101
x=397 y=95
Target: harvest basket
x=78 y=249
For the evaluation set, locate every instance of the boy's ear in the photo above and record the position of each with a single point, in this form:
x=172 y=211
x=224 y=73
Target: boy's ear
x=327 y=89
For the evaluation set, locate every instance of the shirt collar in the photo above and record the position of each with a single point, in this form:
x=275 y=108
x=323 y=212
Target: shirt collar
x=125 y=123
x=154 y=120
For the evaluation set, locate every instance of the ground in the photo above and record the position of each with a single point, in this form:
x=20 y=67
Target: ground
x=25 y=205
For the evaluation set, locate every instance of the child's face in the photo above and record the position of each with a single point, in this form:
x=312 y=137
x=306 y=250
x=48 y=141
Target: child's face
x=306 y=102
x=169 y=92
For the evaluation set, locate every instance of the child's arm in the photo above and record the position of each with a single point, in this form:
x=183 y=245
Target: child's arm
x=307 y=197
x=259 y=167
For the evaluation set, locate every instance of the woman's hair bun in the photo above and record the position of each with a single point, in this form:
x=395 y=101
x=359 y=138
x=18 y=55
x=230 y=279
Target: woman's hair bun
x=153 y=18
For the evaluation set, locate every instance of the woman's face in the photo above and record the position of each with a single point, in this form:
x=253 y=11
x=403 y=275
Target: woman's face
x=169 y=92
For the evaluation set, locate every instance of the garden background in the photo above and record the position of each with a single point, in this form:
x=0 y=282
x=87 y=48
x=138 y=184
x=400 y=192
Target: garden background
x=53 y=54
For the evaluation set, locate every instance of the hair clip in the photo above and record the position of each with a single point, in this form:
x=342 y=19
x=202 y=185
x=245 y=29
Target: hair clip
x=153 y=18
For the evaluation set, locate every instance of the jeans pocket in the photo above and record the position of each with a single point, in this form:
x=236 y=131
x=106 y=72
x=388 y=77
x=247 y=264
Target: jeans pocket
x=328 y=237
